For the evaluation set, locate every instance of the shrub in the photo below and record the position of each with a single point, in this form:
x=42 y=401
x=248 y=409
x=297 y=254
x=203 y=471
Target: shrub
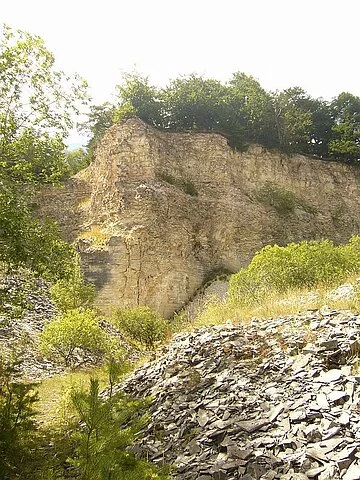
x=142 y=325
x=17 y=424
x=72 y=292
x=107 y=430
x=76 y=330
x=283 y=201
x=297 y=265
x=186 y=185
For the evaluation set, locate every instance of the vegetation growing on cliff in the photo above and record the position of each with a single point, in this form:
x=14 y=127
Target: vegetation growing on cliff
x=290 y=120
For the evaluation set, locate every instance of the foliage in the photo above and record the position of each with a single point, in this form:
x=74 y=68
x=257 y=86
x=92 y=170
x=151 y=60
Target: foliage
x=282 y=200
x=297 y=265
x=76 y=331
x=142 y=325
x=91 y=441
x=36 y=107
x=251 y=111
x=106 y=432
x=17 y=400
x=137 y=97
x=100 y=118
x=194 y=102
x=35 y=99
x=293 y=118
x=28 y=242
x=76 y=160
x=345 y=142
x=72 y=292
x=186 y=185
x=241 y=110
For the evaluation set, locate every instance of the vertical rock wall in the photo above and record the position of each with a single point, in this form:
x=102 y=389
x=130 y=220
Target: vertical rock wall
x=172 y=208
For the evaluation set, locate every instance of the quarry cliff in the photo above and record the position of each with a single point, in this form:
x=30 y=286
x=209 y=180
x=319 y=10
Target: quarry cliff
x=159 y=213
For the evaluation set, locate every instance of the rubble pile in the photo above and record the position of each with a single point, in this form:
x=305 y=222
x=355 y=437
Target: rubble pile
x=274 y=399
x=26 y=307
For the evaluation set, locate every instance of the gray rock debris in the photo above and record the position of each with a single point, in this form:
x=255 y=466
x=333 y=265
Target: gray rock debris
x=20 y=332
x=275 y=399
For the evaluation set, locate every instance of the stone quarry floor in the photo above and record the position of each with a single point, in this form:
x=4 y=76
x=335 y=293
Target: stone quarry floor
x=274 y=399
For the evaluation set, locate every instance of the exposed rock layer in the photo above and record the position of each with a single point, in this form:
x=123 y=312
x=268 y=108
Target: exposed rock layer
x=175 y=207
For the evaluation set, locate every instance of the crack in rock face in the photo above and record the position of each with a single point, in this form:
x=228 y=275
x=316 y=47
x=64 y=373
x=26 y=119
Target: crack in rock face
x=274 y=399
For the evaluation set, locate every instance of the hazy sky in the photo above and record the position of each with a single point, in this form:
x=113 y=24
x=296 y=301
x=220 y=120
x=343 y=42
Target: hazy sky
x=309 y=43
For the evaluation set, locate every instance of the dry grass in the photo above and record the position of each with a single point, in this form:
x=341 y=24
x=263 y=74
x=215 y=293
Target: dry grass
x=54 y=403
x=273 y=305
x=54 y=392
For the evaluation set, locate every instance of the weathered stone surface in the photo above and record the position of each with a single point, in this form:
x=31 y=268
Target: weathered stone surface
x=178 y=206
x=286 y=412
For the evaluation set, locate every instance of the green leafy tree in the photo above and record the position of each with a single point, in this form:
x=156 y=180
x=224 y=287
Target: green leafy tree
x=76 y=160
x=100 y=118
x=107 y=430
x=37 y=103
x=252 y=111
x=345 y=143
x=28 y=242
x=138 y=98
x=194 y=102
x=17 y=426
x=293 y=119
x=321 y=128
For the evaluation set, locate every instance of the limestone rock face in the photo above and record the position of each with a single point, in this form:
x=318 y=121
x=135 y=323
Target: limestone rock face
x=157 y=213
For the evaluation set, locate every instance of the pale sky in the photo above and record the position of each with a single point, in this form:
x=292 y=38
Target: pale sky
x=313 y=44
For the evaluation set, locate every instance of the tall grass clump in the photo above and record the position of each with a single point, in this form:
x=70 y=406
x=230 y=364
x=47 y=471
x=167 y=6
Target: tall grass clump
x=298 y=265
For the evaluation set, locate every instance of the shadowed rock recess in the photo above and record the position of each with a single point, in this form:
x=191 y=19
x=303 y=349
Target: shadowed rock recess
x=158 y=213
x=275 y=399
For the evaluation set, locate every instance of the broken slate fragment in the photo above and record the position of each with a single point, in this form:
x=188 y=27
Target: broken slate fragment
x=330 y=376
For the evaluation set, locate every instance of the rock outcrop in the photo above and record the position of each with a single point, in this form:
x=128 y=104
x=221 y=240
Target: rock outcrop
x=158 y=213
x=275 y=399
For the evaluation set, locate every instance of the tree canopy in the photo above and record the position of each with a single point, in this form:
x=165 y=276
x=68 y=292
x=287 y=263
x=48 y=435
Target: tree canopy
x=241 y=109
x=37 y=104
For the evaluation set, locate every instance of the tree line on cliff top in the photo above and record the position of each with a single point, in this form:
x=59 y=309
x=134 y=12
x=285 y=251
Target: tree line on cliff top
x=290 y=120
x=37 y=108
